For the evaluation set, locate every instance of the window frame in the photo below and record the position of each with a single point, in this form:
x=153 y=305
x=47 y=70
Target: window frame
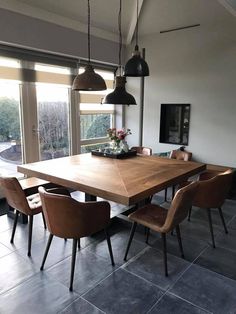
x=28 y=100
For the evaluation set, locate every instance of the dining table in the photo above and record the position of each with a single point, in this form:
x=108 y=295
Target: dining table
x=126 y=181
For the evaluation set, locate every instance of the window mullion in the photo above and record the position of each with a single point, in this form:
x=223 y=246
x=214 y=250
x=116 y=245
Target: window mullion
x=74 y=123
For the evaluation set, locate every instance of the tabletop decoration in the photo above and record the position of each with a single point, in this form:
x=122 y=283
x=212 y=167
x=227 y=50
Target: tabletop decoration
x=117 y=137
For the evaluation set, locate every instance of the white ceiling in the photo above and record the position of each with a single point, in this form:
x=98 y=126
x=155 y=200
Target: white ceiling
x=155 y=15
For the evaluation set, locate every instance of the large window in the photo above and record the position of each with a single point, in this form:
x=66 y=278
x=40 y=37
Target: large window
x=40 y=117
x=11 y=151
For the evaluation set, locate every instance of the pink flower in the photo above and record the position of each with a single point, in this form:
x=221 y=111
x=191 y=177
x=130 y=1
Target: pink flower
x=118 y=135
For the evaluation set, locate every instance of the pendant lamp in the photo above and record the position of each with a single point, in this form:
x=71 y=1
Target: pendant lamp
x=136 y=65
x=89 y=80
x=119 y=96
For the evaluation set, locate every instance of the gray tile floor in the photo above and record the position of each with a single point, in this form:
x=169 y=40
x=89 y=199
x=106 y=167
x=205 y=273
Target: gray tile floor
x=203 y=282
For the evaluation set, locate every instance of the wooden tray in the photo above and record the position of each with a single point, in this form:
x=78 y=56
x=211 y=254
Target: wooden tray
x=130 y=153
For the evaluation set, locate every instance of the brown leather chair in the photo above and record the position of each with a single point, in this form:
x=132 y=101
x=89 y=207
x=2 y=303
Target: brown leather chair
x=142 y=150
x=181 y=155
x=178 y=155
x=162 y=220
x=68 y=218
x=212 y=192
x=30 y=205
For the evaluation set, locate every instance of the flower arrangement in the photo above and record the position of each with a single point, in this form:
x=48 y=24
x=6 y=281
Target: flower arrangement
x=118 y=135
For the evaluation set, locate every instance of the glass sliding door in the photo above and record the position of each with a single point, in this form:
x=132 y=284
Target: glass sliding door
x=53 y=120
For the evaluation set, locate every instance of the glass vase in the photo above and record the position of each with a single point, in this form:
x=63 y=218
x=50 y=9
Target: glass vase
x=115 y=147
x=124 y=146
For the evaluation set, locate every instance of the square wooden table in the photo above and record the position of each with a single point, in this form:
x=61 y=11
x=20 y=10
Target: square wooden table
x=125 y=181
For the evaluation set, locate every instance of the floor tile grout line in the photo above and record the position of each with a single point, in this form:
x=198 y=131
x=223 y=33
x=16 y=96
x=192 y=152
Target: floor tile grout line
x=165 y=291
x=151 y=283
x=121 y=267
x=20 y=283
x=201 y=308
x=158 y=250
x=21 y=247
x=99 y=282
x=187 y=268
x=61 y=311
x=144 y=279
x=178 y=297
x=150 y=247
x=93 y=305
x=135 y=257
x=79 y=297
x=215 y=273
x=158 y=301
x=228 y=223
x=70 y=255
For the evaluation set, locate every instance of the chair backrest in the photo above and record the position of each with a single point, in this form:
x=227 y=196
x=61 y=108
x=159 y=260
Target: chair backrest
x=181 y=155
x=213 y=192
x=68 y=218
x=143 y=150
x=180 y=206
x=15 y=195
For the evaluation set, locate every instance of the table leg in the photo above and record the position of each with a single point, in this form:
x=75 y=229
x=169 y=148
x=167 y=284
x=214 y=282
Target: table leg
x=89 y=197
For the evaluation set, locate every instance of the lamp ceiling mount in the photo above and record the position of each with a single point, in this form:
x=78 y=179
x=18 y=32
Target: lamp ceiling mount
x=136 y=65
x=89 y=80
x=119 y=96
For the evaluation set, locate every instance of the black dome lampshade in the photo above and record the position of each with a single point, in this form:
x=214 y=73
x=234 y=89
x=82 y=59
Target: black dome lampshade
x=89 y=80
x=119 y=96
x=136 y=65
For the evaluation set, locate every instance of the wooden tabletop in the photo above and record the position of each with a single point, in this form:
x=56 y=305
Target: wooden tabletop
x=125 y=181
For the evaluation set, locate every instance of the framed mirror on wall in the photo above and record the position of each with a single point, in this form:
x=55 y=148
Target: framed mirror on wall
x=174 y=123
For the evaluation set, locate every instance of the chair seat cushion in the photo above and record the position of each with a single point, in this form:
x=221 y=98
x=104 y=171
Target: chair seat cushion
x=34 y=202
x=151 y=216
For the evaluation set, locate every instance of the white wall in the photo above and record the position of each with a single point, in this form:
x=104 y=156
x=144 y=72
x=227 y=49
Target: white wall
x=22 y=30
x=196 y=66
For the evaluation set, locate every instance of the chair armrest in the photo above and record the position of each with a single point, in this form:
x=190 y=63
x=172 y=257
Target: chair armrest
x=206 y=175
x=59 y=190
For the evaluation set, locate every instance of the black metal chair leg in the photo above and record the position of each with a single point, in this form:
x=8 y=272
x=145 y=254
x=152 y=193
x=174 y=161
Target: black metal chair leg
x=163 y=235
x=222 y=219
x=14 y=226
x=179 y=241
x=166 y=194
x=173 y=191
x=109 y=246
x=211 y=226
x=189 y=213
x=130 y=239
x=44 y=221
x=31 y=218
x=73 y=263
x=147 y=234
x=46 y=250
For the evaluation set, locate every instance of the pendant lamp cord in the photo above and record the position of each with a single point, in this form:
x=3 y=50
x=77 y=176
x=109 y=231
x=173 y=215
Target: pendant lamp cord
x=88 y=31
x=136 y=34
x=120 y=36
